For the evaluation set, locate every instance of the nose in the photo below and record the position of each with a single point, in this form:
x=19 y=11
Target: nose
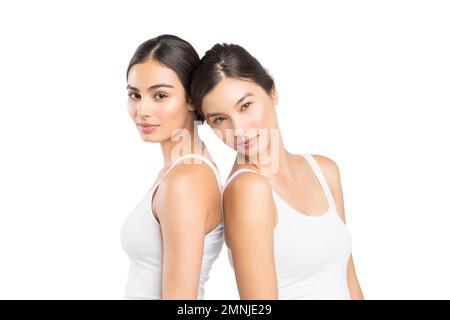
x=145 y=108
x=239 y=127
x=242 y=128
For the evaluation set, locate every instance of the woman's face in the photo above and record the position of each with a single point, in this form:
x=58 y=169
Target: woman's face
x=157 y=101
x=242 y=114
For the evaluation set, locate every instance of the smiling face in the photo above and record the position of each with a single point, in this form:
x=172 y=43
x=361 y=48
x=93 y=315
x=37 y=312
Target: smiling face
x=237 y=110
x=157 y=101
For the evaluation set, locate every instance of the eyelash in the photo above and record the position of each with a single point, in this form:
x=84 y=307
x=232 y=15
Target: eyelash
x=218 y=118
x=160 y=94
x=246 y=105
x=138 y=96
x=131 y=94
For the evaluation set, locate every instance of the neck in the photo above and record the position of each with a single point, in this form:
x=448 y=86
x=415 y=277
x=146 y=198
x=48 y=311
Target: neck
x=184 y=142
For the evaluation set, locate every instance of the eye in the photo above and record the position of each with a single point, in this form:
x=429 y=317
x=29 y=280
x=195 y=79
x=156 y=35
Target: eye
x=245 y=106
x=160 y=96
x=218 y=120
x=134 y=95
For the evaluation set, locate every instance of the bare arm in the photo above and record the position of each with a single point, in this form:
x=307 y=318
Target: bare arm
x=184 y=211
x=249 y=214
x=332 y=175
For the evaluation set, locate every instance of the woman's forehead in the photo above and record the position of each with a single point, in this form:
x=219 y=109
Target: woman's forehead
x=151 y=72
x=230 y=91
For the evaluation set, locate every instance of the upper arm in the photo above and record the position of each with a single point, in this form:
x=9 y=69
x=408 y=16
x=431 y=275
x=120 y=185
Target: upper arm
x=184 y=212
x=249 y=219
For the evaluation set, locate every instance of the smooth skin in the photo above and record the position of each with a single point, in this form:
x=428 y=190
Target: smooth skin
x=250 y=214
x=187 y=201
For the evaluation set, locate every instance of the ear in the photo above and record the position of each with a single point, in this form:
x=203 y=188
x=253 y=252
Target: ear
x=190 y=105
x=274 y=95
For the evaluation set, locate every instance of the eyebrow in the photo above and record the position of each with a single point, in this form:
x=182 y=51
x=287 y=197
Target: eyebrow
x=209 y=115
x=243 y=97
x=153 y=87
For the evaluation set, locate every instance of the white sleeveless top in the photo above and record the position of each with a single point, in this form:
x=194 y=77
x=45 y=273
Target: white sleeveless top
x=141 y=238
x=311 y=252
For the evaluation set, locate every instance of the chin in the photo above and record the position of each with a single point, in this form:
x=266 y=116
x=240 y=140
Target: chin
x=150 y=138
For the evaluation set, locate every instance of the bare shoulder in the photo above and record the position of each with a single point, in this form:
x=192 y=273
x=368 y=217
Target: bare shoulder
x=247 y=200
x=246 y=186
x=187 y=177
x=189 y=186
x=328 y=166
x=248 y=181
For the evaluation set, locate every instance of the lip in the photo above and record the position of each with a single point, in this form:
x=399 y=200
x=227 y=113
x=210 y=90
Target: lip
x=247 y=143
x=147 y=127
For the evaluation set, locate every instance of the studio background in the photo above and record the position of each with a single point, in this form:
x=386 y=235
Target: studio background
x=365 y=83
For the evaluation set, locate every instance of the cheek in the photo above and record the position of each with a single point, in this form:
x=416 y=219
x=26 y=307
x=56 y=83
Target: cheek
x=172 y=111
x=172 y=116
x=259 y=118
x=132 y=110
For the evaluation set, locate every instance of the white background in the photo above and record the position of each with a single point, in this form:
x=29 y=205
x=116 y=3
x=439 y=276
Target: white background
x=365 y=83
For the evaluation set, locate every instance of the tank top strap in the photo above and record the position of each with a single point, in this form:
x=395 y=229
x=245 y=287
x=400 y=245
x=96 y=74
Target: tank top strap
x=319 y=175
x=234 y=175
x=191 y=155
x=209 y=163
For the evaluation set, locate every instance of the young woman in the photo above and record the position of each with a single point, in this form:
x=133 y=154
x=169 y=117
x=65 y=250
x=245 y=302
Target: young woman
x=175 y=233
x=283 y=213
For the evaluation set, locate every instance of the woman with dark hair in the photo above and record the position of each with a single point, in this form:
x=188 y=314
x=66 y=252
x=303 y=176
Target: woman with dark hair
x=175 y=233
x=283 y=213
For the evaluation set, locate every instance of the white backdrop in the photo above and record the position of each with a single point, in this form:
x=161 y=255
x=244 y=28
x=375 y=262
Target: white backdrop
x=365 y=83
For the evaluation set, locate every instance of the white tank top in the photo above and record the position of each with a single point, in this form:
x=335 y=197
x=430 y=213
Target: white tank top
x=311 y=252
x=141 y=238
